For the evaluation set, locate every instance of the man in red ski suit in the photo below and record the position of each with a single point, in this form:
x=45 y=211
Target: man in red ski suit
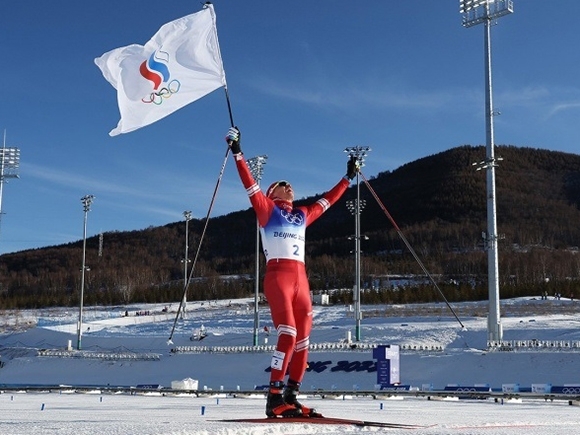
x=283 y=227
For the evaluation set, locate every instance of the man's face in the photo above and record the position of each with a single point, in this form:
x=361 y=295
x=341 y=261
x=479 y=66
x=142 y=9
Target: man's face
x=283 y=191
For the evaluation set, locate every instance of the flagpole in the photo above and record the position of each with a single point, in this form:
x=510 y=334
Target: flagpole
x=229 y=107
x=219 y=180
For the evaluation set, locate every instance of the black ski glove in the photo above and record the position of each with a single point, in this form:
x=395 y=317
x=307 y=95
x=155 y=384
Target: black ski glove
x=352 y=167
x=233 y=138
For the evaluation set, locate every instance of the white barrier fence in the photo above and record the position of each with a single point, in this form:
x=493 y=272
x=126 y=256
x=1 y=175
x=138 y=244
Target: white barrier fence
x=523 y=345
x=314 y=347
x=114 y=356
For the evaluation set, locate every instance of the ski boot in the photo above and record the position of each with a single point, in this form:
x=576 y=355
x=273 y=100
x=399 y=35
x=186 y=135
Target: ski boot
x=290 y=397
x=275 y=404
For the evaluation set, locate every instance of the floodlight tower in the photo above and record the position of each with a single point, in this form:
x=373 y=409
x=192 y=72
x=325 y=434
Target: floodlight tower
x=476 y=12
x=87 y=200
x=356 y=206
x=359 y=153
x=9 y=164
x=186 y=260
x=256 y=166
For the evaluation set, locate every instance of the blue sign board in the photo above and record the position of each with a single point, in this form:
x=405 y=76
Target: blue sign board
x=387 y=357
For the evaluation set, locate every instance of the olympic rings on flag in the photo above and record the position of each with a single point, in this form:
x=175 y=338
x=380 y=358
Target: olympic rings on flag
x=157 y=97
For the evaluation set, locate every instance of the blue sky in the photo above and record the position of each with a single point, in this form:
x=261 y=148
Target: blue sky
x=305 y=81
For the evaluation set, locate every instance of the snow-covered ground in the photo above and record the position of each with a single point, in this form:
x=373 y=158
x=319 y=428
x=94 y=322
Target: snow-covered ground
x=128 y=346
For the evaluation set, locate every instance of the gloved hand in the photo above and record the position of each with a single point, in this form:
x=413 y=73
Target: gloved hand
x=233 y=138
x=352 y=167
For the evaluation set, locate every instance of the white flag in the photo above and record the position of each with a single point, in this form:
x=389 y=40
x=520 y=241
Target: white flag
x=180 y=64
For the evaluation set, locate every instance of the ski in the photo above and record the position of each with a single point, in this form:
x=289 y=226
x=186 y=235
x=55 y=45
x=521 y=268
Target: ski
x=326 y=420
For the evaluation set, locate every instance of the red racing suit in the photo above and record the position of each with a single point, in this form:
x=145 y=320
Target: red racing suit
x=286 y=287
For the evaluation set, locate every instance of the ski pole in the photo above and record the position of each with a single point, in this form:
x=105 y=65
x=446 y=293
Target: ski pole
x=408 y=245
x=200 y=243
x=219 y=180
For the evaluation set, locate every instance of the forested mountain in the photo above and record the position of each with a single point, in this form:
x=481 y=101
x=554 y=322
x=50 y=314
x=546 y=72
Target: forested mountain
x=438 y=202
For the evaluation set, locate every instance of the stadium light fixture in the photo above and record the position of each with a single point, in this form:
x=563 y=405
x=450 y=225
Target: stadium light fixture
x=9 y=165
x=476 y=12
x=479 y=11
x=256 y=166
